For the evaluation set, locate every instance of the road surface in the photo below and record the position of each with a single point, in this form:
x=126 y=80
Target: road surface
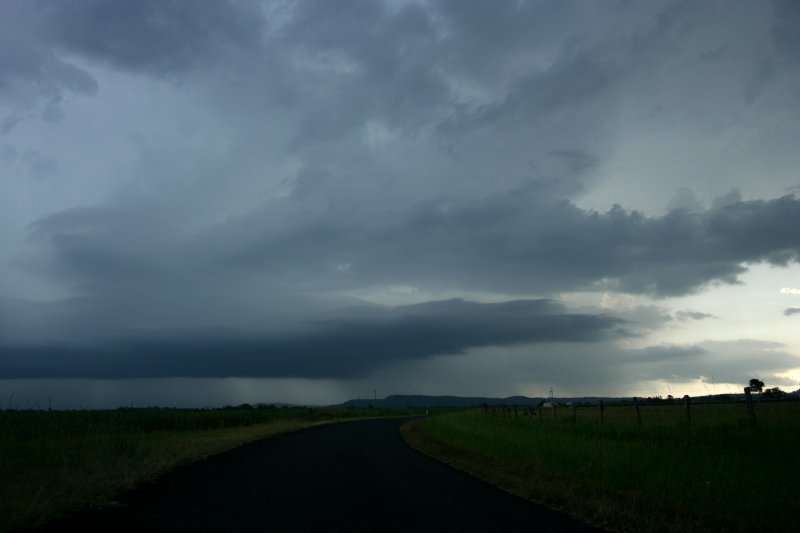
x=353 y=476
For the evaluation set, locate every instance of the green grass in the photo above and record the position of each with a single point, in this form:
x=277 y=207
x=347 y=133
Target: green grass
x=720 y=473
x=54 y=462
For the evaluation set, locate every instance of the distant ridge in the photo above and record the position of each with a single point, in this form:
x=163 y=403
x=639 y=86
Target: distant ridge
x=420 y=400
x=414 y=400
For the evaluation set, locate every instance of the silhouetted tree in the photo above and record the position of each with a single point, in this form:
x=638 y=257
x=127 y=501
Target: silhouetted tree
x=756 y=385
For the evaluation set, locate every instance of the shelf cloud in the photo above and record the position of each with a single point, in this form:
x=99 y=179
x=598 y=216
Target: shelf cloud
x=350 y=345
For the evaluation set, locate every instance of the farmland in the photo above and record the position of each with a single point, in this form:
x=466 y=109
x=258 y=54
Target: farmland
x=52 y=462
x=719 y=472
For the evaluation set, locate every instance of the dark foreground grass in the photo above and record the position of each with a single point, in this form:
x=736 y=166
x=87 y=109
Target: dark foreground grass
x=720 y=473
x=54 y=462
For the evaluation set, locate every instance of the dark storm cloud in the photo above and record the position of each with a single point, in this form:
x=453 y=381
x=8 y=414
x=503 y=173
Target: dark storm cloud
x=569 y=84
x=342 y=347
x=784 y=30
x=44 y=44
x=367 y=58
x=105 y=246
x=32 y=76
x=511 y=242
x=398 y=62
x=580 y=74
x=150 y=36
x=458 y=68
x=488 y=31
x=515 y=242
x=792 y=311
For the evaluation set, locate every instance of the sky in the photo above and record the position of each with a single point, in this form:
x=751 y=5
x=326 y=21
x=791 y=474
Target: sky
x=217 y=202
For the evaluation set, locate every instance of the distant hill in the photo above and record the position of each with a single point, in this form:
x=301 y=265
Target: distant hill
x=413 y=400
x=417 y=400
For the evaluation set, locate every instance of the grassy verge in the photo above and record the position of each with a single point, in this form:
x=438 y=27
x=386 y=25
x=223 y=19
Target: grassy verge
x=54 y=462
x=719 y=474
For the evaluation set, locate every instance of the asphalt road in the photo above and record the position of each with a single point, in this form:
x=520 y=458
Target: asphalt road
x=353 y=476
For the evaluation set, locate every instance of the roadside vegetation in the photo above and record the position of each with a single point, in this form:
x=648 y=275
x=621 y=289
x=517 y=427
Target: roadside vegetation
x=719 y=472
x=55 y=462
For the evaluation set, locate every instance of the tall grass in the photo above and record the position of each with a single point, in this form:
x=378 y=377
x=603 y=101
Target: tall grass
x=719 y=473
x=52 y=462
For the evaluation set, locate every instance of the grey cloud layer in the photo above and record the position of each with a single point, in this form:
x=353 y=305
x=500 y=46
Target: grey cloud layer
x=507 y=243
x=341 y=347
x=599 y=368
x=714 y=361
x=32 y=76
x=160 y=38
x=690 y=314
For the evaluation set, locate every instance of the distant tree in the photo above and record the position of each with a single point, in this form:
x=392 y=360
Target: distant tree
x=756 y=385
x=774 y=392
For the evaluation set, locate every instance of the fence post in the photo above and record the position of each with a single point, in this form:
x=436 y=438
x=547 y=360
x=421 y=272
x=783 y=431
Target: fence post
x=687 y=402
x=749 y=399
x=638 y=414
x=600 y=410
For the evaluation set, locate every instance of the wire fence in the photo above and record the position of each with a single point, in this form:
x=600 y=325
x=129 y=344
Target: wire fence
x=655 y=411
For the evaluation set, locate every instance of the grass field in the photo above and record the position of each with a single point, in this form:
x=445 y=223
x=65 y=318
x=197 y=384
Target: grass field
x=53 y=462
x=721 y=473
